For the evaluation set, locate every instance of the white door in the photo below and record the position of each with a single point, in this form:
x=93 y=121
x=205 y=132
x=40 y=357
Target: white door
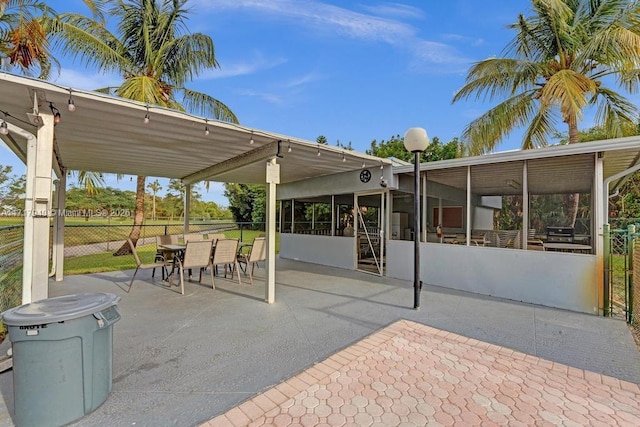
x=370 y=232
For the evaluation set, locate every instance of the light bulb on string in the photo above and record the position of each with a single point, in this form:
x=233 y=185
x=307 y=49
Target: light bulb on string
x=289 y=148
x=4 y=128
x=318 y=154
x=251 y=141
x=147 y=119
x=206 y=127
x=72 y=105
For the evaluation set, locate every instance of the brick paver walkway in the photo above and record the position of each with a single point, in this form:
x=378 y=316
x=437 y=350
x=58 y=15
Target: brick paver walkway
x=413 y=375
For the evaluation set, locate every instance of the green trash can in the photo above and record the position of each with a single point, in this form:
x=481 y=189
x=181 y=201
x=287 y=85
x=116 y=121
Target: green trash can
x=62 y=357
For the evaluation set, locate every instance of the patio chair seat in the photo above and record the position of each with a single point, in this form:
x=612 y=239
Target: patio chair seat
x=196 y=255
x=226 y=254
x=140 y=266
x=258 y=253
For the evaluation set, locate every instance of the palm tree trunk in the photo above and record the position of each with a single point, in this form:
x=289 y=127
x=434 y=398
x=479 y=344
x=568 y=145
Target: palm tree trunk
x=573 y=199
x=138 y=218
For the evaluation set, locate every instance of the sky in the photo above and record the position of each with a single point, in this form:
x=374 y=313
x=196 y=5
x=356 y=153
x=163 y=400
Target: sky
x=353 y=71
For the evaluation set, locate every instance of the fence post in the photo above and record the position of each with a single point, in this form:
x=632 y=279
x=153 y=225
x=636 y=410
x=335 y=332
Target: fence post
x=606 y=237
x=166 y=229
x=631 y=234
x=241 y=227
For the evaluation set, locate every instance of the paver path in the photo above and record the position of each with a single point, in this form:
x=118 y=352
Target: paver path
x=412 y=374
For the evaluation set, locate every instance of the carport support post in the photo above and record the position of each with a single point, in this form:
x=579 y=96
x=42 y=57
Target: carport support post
x=61 y=195
x=273 y=178
x=187 y=207
x=35 y=271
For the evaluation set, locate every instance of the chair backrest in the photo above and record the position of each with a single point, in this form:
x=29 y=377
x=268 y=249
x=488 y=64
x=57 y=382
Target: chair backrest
x=192 y=237
x=133 y=251
x=197 y=253
x=258 y=250
x=163 y=239
x=173 y=239
x=226 y=251
x=217 y=236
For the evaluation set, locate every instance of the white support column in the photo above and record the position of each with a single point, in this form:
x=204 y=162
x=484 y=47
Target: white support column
x=35 y=271
x=469 y=219
x=440 y=218
x=59 y=219
x=600 y=198
x=333 y=215
x=187 y=207
x=525 y=206
x=273 y=178
x=425 y=212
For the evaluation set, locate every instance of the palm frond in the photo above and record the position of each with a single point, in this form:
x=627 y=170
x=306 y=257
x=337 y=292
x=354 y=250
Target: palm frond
x=538 y=131
x=205 y=105
x=89 y=41
x=485 y=132
x=615 y=113
x=569 y=90
x=144 y=89
x=496 y=77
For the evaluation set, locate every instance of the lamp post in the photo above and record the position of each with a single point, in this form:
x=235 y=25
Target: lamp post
x=416 y=141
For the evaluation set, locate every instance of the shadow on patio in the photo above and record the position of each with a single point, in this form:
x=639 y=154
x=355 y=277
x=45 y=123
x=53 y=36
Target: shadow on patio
x=181 y=360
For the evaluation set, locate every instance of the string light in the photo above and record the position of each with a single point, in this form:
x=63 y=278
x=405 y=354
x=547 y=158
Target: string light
x=289 y=147
x=57 y=117
x=4 y=129
x=72 y=105
x=318 y=151
x=147 y=119
x=206 y=127
x=344 y=159
x=364 y=165
x=251 y=141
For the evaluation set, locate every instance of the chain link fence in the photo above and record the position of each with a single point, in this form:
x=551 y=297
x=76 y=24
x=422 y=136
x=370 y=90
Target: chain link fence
x=11 y=240
x=82 y=240
x=620 y=262
x=634 y=313
x=89 y=239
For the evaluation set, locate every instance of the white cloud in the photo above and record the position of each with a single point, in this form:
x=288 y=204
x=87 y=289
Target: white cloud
x=395 y=9
x=86 y=81
x=302 y=80
x=321 y=17
x=257 y=63
x=463 y=39
x=271 y=98
x=314 y=15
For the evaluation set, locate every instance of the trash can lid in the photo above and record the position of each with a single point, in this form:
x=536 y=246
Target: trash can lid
x=58 y=309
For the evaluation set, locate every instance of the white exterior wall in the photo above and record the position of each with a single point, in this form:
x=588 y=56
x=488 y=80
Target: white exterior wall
x=560 y=280
x=325 y=250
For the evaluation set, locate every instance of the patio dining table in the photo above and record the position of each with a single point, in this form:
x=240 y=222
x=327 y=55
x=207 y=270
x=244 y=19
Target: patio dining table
x=176 y=250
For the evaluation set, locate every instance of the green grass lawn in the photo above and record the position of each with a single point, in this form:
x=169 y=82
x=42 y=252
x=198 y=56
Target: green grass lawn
x=105 y=261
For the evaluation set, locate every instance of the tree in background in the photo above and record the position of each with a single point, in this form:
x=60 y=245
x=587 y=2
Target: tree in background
x=561 y=60
x=12 y=191
x=436 y=150
x=154 y=187
x=154 y=56
x=247 y=202
x=321 y=139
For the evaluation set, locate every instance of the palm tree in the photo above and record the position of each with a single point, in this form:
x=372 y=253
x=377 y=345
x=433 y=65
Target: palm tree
x=23 y=37
x=154 y=187
x=154 y=56
x=561 y=61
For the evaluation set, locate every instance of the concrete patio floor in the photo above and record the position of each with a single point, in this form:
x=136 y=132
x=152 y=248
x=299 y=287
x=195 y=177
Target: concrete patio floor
x=182 y=360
